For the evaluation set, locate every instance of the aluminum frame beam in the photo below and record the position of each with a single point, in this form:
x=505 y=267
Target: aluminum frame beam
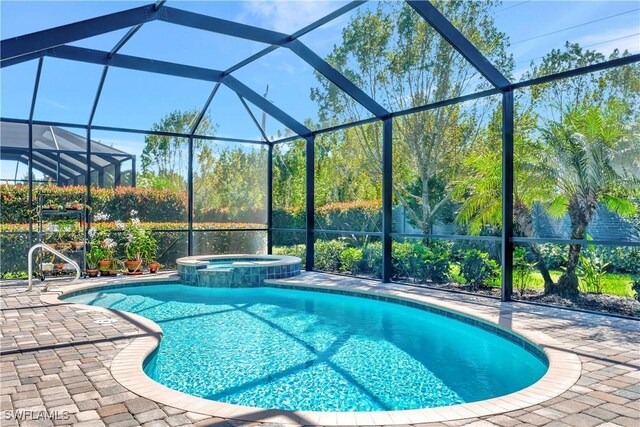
x=507 y=195
x=333 y=75
x=459 y=42
x=41 y=40
x=80 y=54
x=203 y=111
x=220 y=26
x=387 y=199
x=259 y=101
x=325 y=19
x=255 y=121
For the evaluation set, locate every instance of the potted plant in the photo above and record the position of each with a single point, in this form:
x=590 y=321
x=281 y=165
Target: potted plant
x=102 y=248
x=154 y=266
x=107 y=246
x=93 y=258
x=76 y=237
x=138 y=243
x=74 y=205
x=150 y=255
x=52 y=205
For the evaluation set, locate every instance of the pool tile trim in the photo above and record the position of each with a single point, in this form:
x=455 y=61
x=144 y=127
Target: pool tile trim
x=127 y=366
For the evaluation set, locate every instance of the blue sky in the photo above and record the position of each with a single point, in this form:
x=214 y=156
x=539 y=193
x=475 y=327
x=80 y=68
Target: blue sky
x=136 y=100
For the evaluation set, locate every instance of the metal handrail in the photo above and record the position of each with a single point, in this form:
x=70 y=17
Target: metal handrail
x=56 y=253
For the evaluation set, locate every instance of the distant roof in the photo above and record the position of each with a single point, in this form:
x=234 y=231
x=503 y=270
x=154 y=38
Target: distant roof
x=56 y=150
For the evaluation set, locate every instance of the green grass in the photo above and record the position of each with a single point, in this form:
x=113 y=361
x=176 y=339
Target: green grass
x=613 y=284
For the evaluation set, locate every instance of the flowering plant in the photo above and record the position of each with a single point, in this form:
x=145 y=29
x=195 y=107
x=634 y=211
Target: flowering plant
x=101 y=247
x=139 y=244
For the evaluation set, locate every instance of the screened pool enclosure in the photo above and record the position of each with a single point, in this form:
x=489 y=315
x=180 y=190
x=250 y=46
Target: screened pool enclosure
x=420 y=146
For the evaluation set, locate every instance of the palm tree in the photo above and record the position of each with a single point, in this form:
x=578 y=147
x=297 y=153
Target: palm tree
x=595 y=158
x=479 y=190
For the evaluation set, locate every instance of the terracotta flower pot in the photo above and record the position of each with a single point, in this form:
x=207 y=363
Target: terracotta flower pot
x=105 y=264
x=60 y=266
x=92 y=272
x=78 y=245
x=154 y=267
x=133 y=265
x=75 y=206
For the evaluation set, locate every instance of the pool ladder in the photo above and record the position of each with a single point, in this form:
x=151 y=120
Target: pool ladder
x=56 y=253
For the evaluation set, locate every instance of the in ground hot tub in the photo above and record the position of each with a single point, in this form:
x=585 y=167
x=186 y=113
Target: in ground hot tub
x=236 y=270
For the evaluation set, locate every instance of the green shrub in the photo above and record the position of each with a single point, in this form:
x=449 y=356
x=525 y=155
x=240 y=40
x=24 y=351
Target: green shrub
x=372 y=259
x=299 y=250
x=635 y=286
x=436 y=262
x=363 y=215
x=623 y=259
x=404 y=259
x=478 y=269
x=351 y=260
x=591 y=271
x=152 y=205
x=553 y=255
x=522 y=269
x=327 y=254
x=289 y=218
x=422 y=261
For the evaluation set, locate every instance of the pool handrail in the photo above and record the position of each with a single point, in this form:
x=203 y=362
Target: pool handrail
x=56 y=253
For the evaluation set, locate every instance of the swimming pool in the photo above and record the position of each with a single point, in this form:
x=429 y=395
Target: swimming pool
x=303 y=350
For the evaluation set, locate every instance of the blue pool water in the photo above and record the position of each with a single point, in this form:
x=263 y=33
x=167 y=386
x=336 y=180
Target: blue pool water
x=304 y=350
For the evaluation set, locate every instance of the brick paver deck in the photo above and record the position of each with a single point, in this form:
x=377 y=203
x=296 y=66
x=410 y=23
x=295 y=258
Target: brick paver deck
x=57 y=358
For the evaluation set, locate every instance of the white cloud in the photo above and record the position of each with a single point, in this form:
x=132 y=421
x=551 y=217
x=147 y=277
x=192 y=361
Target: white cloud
x=617 y=38
x=286 y=16
x=55 y=104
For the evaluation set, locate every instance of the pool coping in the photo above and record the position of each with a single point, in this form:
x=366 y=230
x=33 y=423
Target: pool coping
x=201 y=261
x=127 y=366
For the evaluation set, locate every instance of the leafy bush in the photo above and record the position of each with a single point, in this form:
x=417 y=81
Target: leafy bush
x=327 y=254
x=364 y=215
x=522 y=269
x=151 y=204
x=372 y=259
x=422 y=262
x=635 y=286
x=622 y=259
x=553 y=255
x=478 y=269
x=591 y=271
x=294 y=250
x=351 y=260
x=289 y=218
x=228 y=215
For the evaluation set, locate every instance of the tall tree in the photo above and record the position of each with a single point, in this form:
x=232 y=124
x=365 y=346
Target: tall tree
x=589 y=146
x=576 y=145
x=398 y=59
x=165 y=158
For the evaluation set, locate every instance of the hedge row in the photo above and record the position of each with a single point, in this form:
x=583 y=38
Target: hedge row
x=414 y=261
x=172 y=243
x=152 y=205
x=170 y=206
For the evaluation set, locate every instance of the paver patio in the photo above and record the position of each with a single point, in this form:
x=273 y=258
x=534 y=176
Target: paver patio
x=57 y=358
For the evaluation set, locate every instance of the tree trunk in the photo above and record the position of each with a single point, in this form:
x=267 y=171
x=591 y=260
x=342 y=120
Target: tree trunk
x=542 y=267
x=524 y=226
x=580 y=213
x=568 y=283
